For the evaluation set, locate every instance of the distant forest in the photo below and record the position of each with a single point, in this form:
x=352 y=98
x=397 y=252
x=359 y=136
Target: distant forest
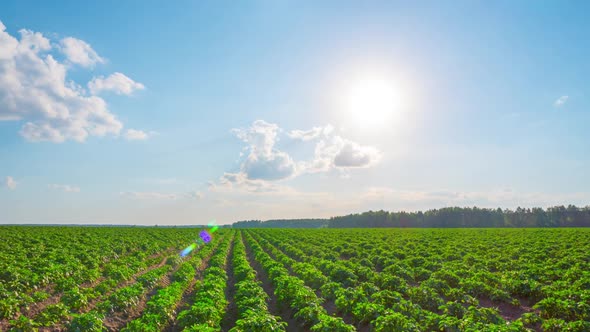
x=558 y=216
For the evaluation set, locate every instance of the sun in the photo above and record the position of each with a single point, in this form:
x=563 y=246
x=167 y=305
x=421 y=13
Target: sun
x=372 y=102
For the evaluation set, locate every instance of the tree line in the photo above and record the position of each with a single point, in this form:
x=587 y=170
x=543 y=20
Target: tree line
x=449 y=217
x=558 y=216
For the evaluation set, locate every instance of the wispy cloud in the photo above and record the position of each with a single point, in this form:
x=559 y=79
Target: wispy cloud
x=10 y=183
x=311 y=134
x=138 y=135
x=393 y=199
x=153 y=195
x=79 y=52
x=148 y=195
x=65 y=188
x=561 y=101
x=117 y=83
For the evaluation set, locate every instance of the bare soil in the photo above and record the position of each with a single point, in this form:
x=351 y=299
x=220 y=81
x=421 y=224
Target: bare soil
x=231 y=314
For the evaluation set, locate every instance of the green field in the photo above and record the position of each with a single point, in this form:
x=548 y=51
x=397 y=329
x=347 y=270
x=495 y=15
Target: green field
x=133 y=279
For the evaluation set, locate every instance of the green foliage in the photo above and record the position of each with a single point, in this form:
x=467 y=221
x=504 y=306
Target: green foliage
x=91 y=322
x=380 y=279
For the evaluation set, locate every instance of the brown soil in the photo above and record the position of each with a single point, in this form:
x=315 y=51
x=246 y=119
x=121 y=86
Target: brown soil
x=508 y=311
x=231 y=314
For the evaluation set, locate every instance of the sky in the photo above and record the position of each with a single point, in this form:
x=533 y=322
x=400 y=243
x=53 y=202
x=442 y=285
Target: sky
x=143 y=112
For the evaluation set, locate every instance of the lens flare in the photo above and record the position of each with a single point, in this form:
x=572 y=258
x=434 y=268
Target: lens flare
x=204 y=238
x=188 y=250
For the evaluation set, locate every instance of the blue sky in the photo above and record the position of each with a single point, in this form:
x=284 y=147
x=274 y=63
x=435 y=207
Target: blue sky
x=146 y=113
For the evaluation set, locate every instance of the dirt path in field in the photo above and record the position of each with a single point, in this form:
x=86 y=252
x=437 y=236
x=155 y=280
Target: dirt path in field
x=189 y=293
x=274 y=307
x=231 y=314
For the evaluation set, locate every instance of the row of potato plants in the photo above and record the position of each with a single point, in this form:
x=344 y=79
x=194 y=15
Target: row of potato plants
x=251 y=299
x=160 y=309
x=449 y=296
x=307 y=307
x=209 y=304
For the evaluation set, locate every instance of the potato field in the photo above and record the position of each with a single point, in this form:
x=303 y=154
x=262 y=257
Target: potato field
x=134 y=279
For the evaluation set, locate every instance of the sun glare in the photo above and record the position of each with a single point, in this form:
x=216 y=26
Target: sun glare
x=372 y=102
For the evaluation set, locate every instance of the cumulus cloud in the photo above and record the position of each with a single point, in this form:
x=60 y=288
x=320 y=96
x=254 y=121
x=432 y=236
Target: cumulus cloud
x=561 y=101
x=338 y=152
x=136 y=135
x=265 y=164
x=10 y=183
x=65 y=188
x=264 y=161
x=79 y=52
x=34 y=89
x=335 y=152
x=117 y=83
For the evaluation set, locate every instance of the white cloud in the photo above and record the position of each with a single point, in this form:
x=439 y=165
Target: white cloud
x=79 y=52
x=239 y=182
x=308 y=135
x=264 y=161
x=65 y=188
x=561 y=101
x=136 y=135
x=34 y=89
x=9 y=182
x=117 y=83
x=339 y=153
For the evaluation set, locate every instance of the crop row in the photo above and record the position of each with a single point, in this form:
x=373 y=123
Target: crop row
x=251 y=299
x=209 y=303
x=301 y=299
